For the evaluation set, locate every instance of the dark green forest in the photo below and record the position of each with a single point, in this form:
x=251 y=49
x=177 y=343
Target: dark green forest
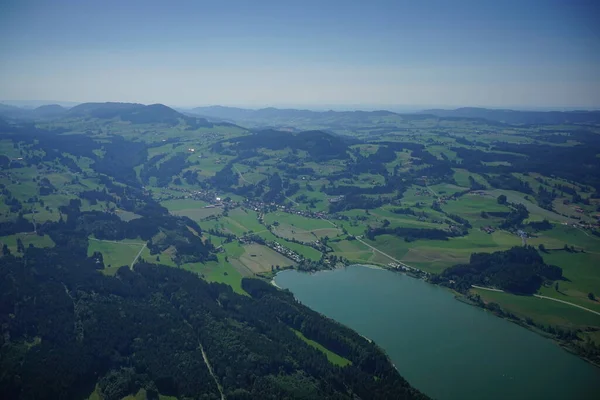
x=518 y=270
x=65 y=327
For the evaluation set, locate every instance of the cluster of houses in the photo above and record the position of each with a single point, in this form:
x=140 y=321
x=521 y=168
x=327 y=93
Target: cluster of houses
x=259 y=206
x=292 y=255
x=336 y=199
x=423 y=192
x=488 y=229
x=284 y=251
x=405 y=268
x=204 y=195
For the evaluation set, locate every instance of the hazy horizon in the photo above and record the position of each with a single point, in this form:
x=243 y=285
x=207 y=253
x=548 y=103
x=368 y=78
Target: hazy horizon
x=314 y=55
x=32 y=104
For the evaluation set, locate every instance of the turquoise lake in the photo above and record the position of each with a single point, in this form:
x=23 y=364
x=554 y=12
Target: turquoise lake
x=445 y=348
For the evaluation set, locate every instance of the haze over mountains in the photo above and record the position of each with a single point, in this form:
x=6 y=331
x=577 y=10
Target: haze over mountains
x=140 y=113
x=291 y=116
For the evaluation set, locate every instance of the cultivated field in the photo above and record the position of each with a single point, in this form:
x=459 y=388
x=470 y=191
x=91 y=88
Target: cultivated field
x=258 y=258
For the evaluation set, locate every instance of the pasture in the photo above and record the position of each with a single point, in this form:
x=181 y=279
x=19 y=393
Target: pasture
x=542 y=311
x=182 y=204
x=436 y=255
x=332 y=357
x=115 y=254
x=357 y=252
x=296 y=221
x=582 y=271
x=536 y=213
x=27 y=239
x=219 y=271
x=199 y=213
x=305 y=251
x=290 y=232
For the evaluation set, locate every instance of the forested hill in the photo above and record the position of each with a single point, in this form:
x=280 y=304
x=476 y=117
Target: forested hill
x=128 y=112
x=66 y=327
x=521 y=117
x=320 y=145
x=134 y=113
x=41 y=113
x=518 y=270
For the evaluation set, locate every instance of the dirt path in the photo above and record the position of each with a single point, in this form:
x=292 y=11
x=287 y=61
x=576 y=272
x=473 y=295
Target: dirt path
x=292 y=201
x=211 y=370
x=433 y=193
x=205 y=357
x=138 y=255
x=241 y=176
x=325 y=219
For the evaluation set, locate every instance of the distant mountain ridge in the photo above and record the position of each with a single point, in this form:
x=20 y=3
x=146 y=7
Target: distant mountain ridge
x=520 y=117
x=288 y=117
x=42 y=112
x=302 y=120
x=272 y=112
x=280 y=117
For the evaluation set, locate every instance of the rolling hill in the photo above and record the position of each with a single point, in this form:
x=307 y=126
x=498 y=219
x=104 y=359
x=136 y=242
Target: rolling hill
x=136 y=114
x=275 y=117
x=49 y=111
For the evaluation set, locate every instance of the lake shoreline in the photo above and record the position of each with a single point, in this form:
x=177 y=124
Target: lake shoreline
x=565 y=345
x=348 y=296
x=561 y=343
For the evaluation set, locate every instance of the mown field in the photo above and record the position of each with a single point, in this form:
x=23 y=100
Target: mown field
x=258 y=259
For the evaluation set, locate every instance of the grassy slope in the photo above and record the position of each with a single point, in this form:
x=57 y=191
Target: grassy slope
x=27 y=239
x=542 y=310
x=331 y=356
x=115 y=254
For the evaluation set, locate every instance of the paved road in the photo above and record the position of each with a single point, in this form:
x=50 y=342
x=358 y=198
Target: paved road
x=566 y=302
x=541 y=297
x=487 y=288
x=387 y=255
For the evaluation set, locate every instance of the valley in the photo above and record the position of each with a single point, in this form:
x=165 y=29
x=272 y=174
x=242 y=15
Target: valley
x=230 y=196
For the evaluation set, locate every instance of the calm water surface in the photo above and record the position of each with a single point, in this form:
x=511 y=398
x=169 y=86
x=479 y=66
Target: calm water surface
x=445 y=348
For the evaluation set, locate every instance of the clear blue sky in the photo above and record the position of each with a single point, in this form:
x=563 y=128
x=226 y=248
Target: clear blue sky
x=308 y=53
